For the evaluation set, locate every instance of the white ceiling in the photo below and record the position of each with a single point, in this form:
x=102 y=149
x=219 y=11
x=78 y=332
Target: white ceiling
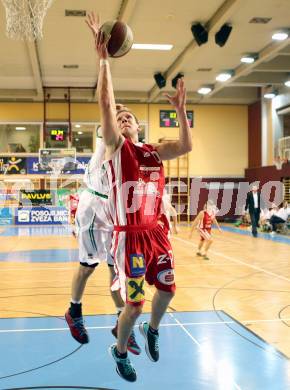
x=25 y=68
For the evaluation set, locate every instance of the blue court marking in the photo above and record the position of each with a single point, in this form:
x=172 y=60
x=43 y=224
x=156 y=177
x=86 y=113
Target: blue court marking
x=202 y=354
x=265 y=236
x=42 y=230
x=41 y=256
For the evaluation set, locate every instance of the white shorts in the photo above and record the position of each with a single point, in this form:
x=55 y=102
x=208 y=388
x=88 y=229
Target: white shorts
x=94 y=229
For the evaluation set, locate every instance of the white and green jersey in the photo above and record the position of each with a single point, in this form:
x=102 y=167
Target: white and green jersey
x=95 y=176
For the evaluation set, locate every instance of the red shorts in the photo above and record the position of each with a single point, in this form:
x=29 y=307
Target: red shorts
x=141 y=254
x=205 y=234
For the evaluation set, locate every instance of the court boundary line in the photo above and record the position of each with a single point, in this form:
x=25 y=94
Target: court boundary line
x=178 y=323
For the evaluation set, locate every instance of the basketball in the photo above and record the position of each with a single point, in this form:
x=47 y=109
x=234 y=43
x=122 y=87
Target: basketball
x=121 y=38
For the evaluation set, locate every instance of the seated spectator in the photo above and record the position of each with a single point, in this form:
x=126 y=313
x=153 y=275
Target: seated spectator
x=265 y=217
x=280 y=216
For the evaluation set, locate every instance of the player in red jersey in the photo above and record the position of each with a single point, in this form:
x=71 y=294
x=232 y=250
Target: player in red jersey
x=140 y=246
x=203 y=222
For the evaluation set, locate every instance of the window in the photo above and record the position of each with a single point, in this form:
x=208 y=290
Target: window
x=83 y=137
x=19 y=138
x=143 y=134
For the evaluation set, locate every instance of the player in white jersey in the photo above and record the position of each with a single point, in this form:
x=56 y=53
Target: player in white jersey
x=94 y=232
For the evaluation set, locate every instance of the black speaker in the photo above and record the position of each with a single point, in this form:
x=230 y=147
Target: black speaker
x=199 y=33
x=223 y=34
x=175 y=79
x=160 y=80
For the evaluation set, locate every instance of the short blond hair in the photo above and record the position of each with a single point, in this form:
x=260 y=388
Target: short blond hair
x=125 y=109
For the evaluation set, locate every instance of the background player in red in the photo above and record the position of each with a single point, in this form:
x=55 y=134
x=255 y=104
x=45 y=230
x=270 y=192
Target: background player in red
x=203 y=222
x=73 y=206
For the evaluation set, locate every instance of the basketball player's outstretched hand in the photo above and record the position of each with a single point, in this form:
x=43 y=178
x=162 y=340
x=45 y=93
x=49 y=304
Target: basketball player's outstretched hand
x=93 y=21
x=101 y=40
x=179 y=99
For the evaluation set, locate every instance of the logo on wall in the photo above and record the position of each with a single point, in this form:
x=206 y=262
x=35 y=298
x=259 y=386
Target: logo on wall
x=23 y=216
x=12 y=165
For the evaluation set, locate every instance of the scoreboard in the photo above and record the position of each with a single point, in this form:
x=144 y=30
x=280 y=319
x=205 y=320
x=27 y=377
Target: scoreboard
x=168 y=118
x=56 y=133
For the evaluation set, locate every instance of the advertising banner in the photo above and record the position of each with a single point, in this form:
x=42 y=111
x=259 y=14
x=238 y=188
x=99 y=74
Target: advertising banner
x=36 y=197
x=34 y=168
x=12 y=165
x=42 y=216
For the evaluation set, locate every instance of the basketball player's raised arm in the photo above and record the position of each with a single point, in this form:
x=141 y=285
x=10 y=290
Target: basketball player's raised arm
x=111 y=135
x=171 y=150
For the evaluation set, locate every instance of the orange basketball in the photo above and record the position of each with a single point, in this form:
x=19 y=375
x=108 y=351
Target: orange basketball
x=121 y=38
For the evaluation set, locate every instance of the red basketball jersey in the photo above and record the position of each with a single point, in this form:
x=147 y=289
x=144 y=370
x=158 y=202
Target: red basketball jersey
x=207 y=220
x=136 y=177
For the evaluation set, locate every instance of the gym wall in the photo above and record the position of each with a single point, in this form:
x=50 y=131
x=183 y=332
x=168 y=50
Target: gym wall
x=219 y=130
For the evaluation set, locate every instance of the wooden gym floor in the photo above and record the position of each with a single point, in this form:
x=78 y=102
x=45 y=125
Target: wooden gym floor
x=246 y=277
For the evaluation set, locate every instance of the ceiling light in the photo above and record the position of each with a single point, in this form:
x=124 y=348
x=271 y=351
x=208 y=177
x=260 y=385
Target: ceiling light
x=20 y=128
x=78 y=126
x=280 y=35
x=80 y=132
x=204 y=90
x=224 y=76
x=270 y=95
x=77 y=139
x=151 y=46
x=249 y=58
x=270 y=92
x=287 y=83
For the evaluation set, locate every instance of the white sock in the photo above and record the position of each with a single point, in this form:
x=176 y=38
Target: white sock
x=75 y=302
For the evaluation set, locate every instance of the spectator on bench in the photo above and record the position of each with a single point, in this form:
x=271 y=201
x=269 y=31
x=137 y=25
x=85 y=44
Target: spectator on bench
x=265 y=217
x=280 y=216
